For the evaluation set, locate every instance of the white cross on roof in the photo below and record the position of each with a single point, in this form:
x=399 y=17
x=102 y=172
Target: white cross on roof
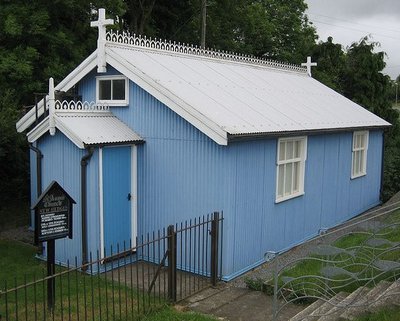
x=309 y=64
x=101 y=24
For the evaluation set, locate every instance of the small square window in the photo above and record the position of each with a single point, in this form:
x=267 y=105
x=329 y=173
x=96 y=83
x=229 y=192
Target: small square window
x=359 y=154
x=112 y=90
x=105 y=90
x=290 y=167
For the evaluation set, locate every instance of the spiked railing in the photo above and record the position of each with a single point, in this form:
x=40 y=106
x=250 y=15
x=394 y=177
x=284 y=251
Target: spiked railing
x=77 y=106
x=126 y=38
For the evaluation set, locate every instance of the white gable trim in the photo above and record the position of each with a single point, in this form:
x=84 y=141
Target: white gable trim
x=67 y=83
x=38 y=131
x=180 y=107
x=43 y=128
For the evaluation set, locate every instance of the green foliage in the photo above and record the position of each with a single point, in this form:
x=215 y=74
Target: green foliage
x=331 y=60
x=13 y=153
x=383 y=314
x=357 y=74
x=265 y=28
x=43 y=39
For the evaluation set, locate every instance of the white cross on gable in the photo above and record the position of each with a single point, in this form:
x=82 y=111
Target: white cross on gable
x=101 y=24
x=309 y=64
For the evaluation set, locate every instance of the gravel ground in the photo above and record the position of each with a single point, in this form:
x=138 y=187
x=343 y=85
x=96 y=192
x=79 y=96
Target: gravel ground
x=369 y=220
x=21 y=234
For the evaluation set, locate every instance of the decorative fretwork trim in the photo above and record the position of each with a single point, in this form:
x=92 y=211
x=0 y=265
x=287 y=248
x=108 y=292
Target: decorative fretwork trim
x=163 y=45
x=77 y=106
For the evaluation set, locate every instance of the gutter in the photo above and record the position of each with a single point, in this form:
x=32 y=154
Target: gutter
x=39 y=157
x=251 y=136
x=84 y=162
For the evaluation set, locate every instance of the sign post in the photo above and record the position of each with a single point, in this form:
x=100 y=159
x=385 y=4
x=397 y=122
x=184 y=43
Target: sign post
x=53 y=220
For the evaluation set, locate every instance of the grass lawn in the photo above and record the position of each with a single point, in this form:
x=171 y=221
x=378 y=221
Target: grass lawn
x=388 y=314
x=78 y=296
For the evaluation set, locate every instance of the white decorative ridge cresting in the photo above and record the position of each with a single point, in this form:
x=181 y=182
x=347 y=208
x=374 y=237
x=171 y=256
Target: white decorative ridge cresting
x=76 y=106
x=126 y=38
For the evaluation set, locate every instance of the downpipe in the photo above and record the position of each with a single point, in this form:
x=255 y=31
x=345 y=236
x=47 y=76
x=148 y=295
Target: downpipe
x=39 y=156
x=84 y=162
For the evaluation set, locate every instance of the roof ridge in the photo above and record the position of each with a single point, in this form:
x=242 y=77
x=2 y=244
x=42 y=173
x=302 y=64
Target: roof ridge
x=134 y=40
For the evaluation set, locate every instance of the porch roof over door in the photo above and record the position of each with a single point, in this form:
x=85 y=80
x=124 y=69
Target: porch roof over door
x=88 y=128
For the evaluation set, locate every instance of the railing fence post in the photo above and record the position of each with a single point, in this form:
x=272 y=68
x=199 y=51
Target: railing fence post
x=171 y=263
x=214 y=248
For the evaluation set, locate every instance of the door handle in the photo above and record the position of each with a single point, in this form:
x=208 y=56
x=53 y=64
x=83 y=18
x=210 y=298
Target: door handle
x=129 y=196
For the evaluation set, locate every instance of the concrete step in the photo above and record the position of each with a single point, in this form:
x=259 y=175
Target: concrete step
x=390 y=297
x=209 y=301
x=334 y=313
x=364 y=304
x=307 y=311
x=319 y=309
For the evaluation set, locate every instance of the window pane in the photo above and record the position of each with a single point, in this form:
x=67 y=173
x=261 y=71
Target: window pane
x=119 y=89
x=357 y=156
x=297 y=148
x=105 y=89
x=363 y=141
x=288 y=179
x=296 y=176
x=280 y=180
x=361 y=161
x=289 y=150
x=282 y=151
x=359 y=137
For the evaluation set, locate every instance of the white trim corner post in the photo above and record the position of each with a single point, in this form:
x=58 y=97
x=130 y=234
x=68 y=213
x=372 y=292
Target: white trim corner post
x=101 y=24
x=52 y=108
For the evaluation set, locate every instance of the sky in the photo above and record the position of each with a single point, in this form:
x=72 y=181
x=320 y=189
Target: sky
x=348 y=21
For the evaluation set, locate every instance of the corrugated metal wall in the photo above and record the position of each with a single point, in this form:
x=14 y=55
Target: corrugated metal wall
x=183 y=174
x=62 y=163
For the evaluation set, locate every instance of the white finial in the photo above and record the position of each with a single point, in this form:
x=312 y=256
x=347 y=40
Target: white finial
x=309 y=64
x=101 y=24
x=52 y=102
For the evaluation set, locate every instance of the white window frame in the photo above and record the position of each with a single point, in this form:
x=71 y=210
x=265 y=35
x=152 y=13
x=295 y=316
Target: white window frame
x=301 y=160
x=112 y=102
x=361 y=150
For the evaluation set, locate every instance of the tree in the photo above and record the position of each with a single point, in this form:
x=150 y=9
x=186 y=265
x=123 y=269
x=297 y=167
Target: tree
x=364 y=83
x=38 y=40
x=43 y=39
x=331 y=61
x=265 y=28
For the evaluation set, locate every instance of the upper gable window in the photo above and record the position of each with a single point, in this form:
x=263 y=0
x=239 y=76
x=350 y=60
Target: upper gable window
x=291 y=157
x=112 y=90
x=359 y=154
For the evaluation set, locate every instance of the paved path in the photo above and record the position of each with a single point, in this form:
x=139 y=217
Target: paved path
x=231 y=303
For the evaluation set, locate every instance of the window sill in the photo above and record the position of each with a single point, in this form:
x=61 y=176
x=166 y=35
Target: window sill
x=113 y=103
x=357 y=176
x=282 y=199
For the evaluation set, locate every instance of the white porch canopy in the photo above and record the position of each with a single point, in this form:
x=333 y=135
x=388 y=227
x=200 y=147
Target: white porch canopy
x=87 y=128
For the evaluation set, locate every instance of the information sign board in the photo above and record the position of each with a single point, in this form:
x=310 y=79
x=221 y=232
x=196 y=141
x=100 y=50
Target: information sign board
x=53 y=214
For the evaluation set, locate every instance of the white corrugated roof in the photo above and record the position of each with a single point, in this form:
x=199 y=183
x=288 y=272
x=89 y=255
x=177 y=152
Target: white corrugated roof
x=88 y=128
x=223 y=94
x=240 y=98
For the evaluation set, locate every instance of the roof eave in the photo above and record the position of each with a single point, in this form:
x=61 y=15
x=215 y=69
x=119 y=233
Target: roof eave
x=249 y=136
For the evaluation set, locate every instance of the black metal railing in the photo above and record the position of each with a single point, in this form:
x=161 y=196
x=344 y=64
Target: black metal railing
x=132 y=281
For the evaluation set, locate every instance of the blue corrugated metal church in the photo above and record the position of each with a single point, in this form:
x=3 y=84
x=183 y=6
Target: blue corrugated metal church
x=164 y=132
